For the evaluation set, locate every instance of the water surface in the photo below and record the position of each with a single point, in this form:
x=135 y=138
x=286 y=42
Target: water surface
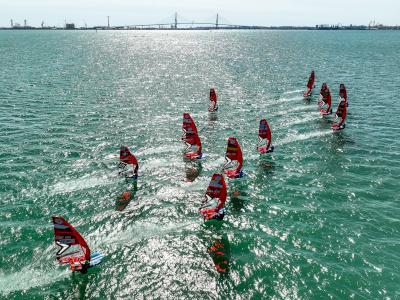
x=317 y=219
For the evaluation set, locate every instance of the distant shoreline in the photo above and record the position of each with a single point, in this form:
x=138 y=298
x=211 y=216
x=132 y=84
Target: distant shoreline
x=126 y=28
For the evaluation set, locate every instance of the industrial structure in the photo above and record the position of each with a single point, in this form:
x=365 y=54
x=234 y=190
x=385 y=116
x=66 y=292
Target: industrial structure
x=173 y=23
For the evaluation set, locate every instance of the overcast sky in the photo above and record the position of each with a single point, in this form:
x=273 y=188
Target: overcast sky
x=246 y=12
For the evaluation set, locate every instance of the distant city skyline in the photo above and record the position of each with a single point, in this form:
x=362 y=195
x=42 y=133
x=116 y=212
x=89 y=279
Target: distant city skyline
x=250 y=12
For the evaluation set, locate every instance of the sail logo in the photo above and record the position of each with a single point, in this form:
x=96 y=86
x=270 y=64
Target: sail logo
x=63 y=248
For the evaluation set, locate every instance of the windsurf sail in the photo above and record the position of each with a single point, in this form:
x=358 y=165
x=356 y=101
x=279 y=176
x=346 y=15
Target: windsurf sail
x=310 y=84
x=343 y=93
x=213 y=101
x=325 y=100
x=128 y=163
x=213 y=204
x=264 y=137
x=341 y=114
x=73 y=248
x=234 y=159
x=191 y=138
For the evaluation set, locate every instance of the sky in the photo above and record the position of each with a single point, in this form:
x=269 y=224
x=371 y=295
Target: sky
x=238 y=12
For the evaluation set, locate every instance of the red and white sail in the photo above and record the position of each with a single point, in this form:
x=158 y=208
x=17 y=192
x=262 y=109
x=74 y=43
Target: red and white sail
x=234 y=159
x=325 y=100
x=213 y=205
x=128 y=163
x=73 y=248
x=191 y=138
x=213 y=101
x=310 y=84
x=264 y=137
x=342 y=92
x=341 y=114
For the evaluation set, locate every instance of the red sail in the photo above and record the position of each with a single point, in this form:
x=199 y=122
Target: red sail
x=128 y=161
x=311 y=80
x=213 y=101
x=343 y=92
x=233 y=157
x=215 y=198
x=191 y=138
x=341 y=114
x=264 y=134
x=125 y=156
x=325 y=99
x=73 y=248
x=310 y=84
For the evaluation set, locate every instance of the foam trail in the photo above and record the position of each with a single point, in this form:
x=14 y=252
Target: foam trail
x=158 y=150
x=311 y=117
x=82 y=183
x=156 y=164
x=285 y=100
x=29 y=278
x=149 y=151
x=293 y=92
x=217 y=163
x=304 y=136
x=285 y=112
x=138 y=232
x=111 y=156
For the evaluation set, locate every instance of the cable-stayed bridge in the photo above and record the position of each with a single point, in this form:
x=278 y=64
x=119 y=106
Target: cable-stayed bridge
x=179 y=22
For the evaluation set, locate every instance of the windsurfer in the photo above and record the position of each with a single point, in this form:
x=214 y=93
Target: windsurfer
x=325 y=98
x=213 y=99
x=191 y=138
x=212 y=207
x=133 y=174
x=310 y=84
x=264 y=138
x=77 y=265
x=341 y=113
x=343 y=93
x=233 y=159
x=85 y=267
x=341 y=108
x=128 y=159
x=73 y=248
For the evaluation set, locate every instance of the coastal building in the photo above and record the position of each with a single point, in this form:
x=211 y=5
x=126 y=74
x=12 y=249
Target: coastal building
x=69 y=26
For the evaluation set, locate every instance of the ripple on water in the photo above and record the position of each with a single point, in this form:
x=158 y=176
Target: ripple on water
x=316 y=219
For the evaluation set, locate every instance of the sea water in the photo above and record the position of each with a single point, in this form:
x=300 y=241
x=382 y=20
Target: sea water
x=316 y=219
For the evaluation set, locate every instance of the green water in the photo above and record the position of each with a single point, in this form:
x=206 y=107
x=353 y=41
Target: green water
x=317 y=219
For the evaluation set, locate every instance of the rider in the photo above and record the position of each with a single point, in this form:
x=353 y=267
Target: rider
x=311 y=80
x=341 y=112
x=78 y=265
x=213 y=98
x=326 y=98
x=343 y=93
x=131 y=160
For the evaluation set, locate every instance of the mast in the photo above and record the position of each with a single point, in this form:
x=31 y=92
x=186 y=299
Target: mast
x=176 y=20
x=216 y=23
